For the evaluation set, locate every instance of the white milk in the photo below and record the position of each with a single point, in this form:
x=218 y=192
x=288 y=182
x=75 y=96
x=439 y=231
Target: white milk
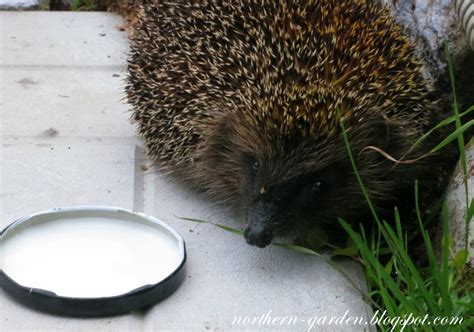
x=89 y=256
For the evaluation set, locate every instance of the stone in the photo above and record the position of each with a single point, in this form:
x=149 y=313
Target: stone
x=430 y=23
x=19 y=4
x=456 y=201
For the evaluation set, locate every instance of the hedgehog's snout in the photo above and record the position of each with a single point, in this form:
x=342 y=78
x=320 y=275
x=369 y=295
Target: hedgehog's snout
x=258 y=236
x=259 y=231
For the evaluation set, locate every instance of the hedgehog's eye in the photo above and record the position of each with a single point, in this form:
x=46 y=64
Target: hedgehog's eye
x=255 y=166
x=251 y=163
x=317 y=185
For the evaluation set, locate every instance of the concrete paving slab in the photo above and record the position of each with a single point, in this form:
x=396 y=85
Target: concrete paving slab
x=16 y=318
x=227 y=279
x=63 y=101
x=46 y=175
x=52 y=173
x=61 y=39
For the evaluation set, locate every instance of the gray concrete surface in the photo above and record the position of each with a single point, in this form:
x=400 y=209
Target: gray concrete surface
x=65 y=140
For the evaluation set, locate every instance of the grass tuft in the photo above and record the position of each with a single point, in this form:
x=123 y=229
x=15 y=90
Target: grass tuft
x=442 y=288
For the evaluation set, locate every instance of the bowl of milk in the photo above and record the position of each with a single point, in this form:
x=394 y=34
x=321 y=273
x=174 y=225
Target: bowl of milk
x=90 y=260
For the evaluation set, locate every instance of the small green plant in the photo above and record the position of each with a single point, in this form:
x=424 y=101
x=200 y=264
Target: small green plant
x=83 y=5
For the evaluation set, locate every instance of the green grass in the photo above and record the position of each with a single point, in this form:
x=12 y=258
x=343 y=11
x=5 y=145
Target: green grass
x=83 y=5
x=396 y=284
x=444 y=286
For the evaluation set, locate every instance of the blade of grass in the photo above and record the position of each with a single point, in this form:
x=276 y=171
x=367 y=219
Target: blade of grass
x=75 y=5
x=294 y=248
x=308 y=251
x=453 y=136
x=299 y=249
x=441 y=124
x=354 y=167
x=455 y=105
x=425 y=235
x=461 y=143
x=371 y=259
x=226 y=228
x=411 y=274
x=445 y=248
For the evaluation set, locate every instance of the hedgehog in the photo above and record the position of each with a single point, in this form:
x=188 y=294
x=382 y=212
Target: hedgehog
x=245 y=99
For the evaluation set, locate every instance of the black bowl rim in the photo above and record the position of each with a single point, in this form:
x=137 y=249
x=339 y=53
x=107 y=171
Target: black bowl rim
x=47 y=301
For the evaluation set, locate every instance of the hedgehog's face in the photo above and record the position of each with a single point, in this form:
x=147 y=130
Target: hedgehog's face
x=280 y=186
x=279 y=200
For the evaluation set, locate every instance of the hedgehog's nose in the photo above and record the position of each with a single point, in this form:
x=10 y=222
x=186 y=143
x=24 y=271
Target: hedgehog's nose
x=259 y=230
x=257 y=235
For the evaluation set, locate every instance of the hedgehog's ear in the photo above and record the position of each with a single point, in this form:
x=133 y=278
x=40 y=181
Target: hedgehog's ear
x=381 y=130
x=221 y=132
x=225 y=127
